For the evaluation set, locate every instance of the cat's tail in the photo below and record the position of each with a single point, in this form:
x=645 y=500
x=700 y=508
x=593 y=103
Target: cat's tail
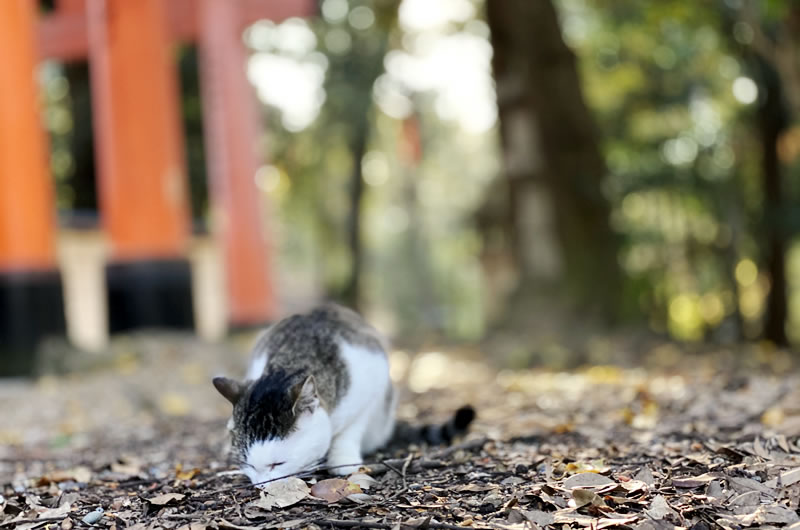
x=435 y=433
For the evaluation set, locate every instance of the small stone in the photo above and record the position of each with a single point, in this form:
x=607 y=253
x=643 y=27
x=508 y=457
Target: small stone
x=93 y=517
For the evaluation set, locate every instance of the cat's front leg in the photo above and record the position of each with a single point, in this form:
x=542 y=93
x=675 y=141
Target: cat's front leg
x=344 y=457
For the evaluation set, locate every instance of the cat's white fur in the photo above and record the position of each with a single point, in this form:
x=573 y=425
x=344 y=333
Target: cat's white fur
x=360 y=423
x=300 y=450
x=256 y=368
x=259 y=362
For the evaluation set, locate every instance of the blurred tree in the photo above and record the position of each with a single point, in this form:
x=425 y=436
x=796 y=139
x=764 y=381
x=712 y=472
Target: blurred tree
x=553 y=164
x=351 y=77
x=764 y=37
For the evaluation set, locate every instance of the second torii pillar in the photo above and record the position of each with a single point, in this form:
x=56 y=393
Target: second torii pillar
x=231 y=118
x=142 y=184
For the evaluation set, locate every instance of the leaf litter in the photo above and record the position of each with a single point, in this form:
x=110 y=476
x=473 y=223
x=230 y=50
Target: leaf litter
x=605 y=447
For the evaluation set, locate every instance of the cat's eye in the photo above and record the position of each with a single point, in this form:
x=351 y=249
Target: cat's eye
x=276 y=464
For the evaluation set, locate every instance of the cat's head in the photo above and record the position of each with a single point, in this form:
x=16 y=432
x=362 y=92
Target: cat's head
x=278 y=425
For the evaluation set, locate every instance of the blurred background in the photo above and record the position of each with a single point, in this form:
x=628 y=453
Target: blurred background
x=531 y=177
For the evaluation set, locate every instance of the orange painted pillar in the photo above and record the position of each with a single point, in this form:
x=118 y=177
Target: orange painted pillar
x=232 y=134
x=31 y=304
x=142 y=176
x=71 y=6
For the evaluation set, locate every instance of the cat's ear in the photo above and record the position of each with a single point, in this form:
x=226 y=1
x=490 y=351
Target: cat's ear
x=305 y=396
x=230 y=389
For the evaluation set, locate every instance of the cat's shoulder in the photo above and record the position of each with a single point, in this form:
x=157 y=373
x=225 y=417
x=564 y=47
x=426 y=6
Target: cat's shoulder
x=329 y=320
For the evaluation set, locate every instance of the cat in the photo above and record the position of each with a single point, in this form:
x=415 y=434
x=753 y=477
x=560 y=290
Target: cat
x=318 y=388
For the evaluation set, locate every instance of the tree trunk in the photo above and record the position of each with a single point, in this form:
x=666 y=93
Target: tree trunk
x=358 y=71
x=358 y=148
x=552 y=158
x=772 y=120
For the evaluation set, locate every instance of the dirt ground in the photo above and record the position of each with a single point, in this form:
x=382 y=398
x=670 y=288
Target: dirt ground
x=697 y=442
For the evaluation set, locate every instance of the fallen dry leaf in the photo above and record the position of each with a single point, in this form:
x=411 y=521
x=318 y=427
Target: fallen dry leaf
x=165 y=498
x=78 y=474
x=692 y=482
x=587 y=480
x=334 y=489
x=660 y=508
x=583 y=497
x=786 y=478
x=632 y=486
x=187 y=475
x=362 y=479
x=622 y=520
x=55 y=512
x=538 y=517
x=281 y=493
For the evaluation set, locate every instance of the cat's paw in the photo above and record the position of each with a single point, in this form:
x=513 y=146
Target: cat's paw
x=344 y=465
x=343 y=471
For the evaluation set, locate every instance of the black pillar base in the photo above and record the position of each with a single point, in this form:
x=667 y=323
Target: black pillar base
x=31 y=308
x=149 y=294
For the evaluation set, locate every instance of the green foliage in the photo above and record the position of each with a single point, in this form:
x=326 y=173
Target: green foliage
x=662 y=77
x=421 y=268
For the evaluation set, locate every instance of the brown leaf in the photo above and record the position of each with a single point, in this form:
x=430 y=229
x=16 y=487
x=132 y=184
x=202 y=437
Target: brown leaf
x=538 y=517
x=583 y=497
x=165 y=498
x=359 y=497
x=61 y=511
x=746 y=499
x=474 y=488
x=78 y=474
x=193 y=526
x=362 y=479
x=645 y=475
x=787 y=478
x=692 y=482
x=419 y=522
x=759 y=449
x=632 y=486
x=587 y=480
x=744 y=484
x=186 y=475
x=777 y=515
x=222 y=523
x=769 y=515
x=714 y=490
x=622 y=520
x=280 y=494
x=570 y=515
x=660 y=508
x=128 y=468
x=334 y=489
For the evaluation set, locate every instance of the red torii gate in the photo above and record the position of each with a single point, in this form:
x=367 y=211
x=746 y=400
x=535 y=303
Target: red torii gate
x=142 y=175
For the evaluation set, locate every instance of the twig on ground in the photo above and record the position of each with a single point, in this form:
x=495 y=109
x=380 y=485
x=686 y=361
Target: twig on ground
x=15 y=522
x=469 y=444
x=391 y=466
x=409 y=458
x=347 y=523
x=378 y=467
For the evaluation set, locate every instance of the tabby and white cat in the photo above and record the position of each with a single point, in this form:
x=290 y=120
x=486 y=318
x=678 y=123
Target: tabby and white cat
x=318 y=385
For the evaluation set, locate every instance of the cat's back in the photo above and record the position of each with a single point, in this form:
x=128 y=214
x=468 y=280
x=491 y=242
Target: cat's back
x=317 y=333
x=327 y=342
